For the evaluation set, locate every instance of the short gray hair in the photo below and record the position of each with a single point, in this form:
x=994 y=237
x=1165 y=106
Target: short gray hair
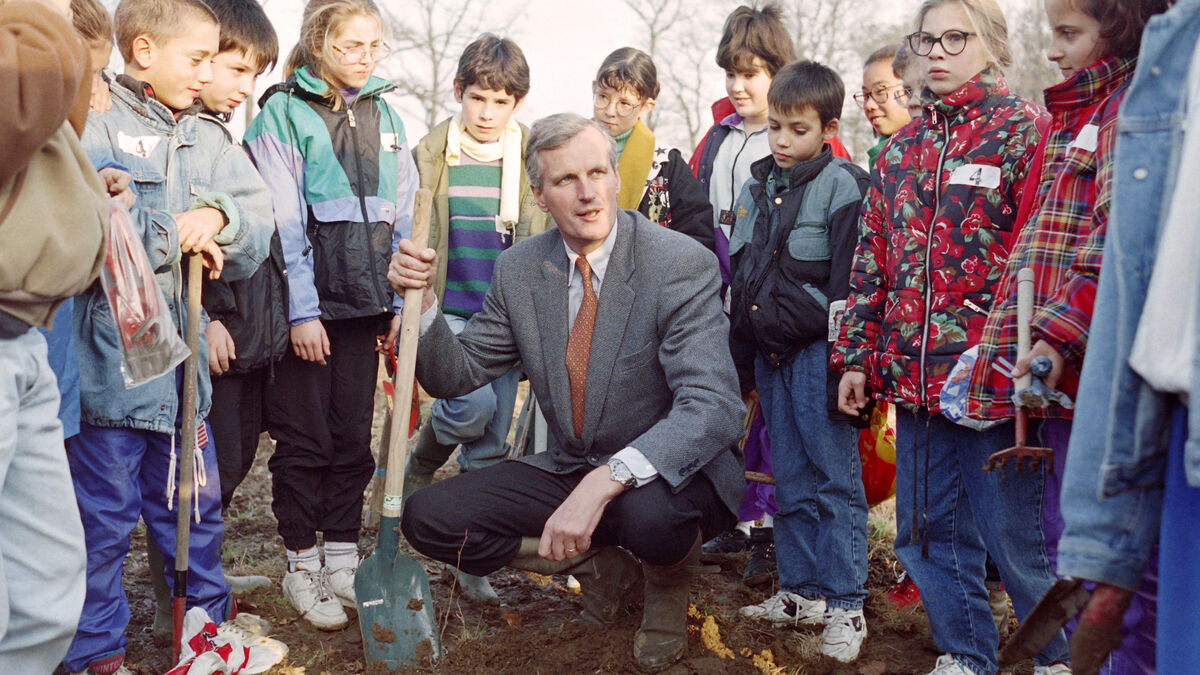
x=555 y=131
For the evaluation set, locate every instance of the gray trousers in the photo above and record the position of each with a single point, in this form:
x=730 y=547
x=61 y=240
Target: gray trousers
x=42 y=555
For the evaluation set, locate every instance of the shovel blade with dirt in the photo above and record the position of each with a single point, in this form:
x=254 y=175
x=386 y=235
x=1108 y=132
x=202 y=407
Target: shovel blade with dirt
x=395 y=608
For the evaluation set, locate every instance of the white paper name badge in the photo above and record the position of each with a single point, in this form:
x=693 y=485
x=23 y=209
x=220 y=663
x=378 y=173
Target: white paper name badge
x=388 y=142
x=142 y=146
x=1088 y=138
x=978 y=175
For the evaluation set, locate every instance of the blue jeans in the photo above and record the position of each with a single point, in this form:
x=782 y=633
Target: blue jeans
x=478 y=421
x=120 y=475
x=964 y=514
x=41 y=539
x=821 y=526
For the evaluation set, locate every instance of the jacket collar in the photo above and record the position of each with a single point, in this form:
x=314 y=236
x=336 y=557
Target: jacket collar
x=1090 y=85
x=763 y=170
x=986 y=83
x=307 y=81
x=140 y=96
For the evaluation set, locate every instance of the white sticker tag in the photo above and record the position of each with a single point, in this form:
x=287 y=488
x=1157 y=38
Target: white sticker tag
x=392 y=502
x=388 y=142
x=142 y=146
x=1087 y=139
x=979 y=175
x=836 y=309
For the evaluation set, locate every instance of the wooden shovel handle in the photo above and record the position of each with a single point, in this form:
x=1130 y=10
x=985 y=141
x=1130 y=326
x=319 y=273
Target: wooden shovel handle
x=183 y=505
x=406 y=365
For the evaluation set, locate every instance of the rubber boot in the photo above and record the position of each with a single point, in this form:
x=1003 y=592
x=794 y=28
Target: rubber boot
x=477 y=589
x=607 y=577
x=663 y=635
x=164 y=620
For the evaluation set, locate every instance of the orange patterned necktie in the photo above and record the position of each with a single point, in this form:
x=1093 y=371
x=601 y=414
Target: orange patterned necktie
x=579 y=345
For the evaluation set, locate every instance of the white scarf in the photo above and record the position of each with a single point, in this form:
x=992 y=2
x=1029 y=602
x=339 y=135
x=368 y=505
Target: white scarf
x=507 y=149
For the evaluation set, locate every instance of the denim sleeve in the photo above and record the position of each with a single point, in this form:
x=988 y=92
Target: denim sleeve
x=234 y=176
x=1107 y=538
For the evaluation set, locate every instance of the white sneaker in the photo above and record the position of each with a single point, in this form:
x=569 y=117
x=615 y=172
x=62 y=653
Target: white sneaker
x=844 y=633
x=341 y=584
x=784 y=608
x=307 y=592
x=1053 y=669
x=251 y=632
x=948 y=665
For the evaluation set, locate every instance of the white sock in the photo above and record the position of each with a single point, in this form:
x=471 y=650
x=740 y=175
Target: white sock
x=744 y=526
x=309 y=560
x=341 y=554
x=768 y=520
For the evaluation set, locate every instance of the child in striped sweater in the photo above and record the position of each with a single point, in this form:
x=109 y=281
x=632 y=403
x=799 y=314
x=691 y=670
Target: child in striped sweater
x=473 y=163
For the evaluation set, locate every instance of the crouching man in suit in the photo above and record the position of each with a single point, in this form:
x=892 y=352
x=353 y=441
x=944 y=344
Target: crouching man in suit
x=619 y=328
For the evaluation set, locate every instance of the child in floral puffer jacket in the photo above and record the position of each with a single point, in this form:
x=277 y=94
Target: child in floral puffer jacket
x=933 y=242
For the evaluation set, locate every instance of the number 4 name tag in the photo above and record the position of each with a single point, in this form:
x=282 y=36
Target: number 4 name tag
x=978 y=175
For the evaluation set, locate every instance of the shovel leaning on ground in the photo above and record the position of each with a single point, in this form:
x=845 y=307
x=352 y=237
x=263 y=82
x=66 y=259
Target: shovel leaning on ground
x=183 y=518
x=395 y=608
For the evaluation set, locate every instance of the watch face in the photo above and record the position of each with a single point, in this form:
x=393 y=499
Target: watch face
x=622 y=474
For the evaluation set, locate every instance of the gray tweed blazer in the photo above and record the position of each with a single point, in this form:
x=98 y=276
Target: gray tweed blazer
x=660 y=376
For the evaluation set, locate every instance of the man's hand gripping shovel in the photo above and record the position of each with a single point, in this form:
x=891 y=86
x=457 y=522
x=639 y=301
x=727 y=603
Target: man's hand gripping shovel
x=395 y=607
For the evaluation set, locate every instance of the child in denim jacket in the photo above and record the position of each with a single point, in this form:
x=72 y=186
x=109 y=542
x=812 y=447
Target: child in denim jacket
x=197 y=193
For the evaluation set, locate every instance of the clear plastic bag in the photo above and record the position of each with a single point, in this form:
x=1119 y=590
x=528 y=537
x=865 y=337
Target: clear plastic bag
x=150 y=344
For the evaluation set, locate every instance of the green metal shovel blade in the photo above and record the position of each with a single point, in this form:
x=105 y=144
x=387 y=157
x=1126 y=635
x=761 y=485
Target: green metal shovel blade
x=395 y=607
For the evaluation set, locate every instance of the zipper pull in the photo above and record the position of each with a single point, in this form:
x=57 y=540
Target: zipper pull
x=350 y=116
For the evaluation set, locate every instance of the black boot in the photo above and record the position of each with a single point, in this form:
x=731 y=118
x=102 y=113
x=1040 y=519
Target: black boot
x=663 y=635
x=760 y=568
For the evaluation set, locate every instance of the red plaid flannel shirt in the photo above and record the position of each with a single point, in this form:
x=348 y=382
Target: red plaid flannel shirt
x=1062 y=241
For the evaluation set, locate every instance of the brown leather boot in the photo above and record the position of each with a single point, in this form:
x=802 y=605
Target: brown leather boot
x=663 y=635
x=607 y=576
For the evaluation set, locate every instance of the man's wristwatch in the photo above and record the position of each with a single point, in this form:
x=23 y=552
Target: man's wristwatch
x=621 y=473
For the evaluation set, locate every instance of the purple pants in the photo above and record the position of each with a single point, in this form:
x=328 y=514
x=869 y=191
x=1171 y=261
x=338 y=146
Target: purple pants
x=759 y=499
x=1135 y=656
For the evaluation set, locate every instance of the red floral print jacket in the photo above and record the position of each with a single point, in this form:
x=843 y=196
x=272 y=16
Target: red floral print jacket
x=932 y=244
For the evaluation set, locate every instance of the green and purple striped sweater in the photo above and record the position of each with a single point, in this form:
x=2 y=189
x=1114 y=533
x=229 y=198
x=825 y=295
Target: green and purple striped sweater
x=474 y=243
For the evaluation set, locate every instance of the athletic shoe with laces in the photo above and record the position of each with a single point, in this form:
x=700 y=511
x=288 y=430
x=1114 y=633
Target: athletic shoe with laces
x=1053 y=669
x=761 y=566
x=844 y=633
x=729 y=541
x=340 y=583
x=784 y=608
x=307 y=592
x=948 y=665
x=251 y=631
x=904 y=593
